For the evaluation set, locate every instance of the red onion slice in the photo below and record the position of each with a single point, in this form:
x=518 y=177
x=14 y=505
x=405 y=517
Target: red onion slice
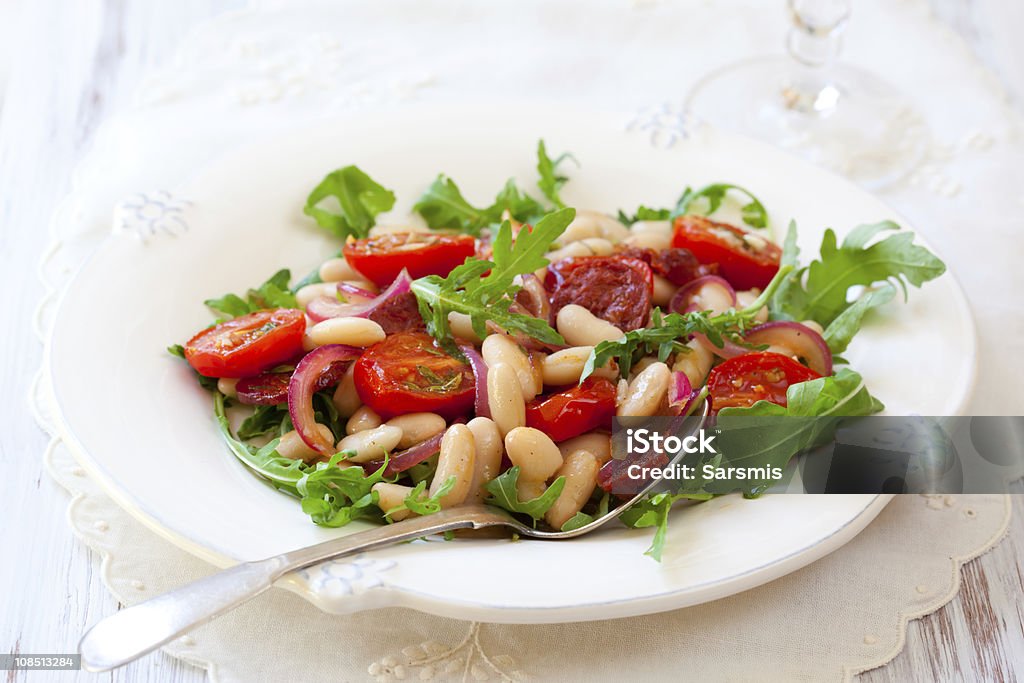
x=481 y=405
x=303 y=385
x=534 y=298
x=324 y=307
x=350 y=290
x=729 y=349
x=705 y=293
x=414 y=455
x=681 y=395
x=795 y=340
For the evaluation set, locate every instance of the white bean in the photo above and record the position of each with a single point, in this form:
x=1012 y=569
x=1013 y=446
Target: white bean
x=580 y=472
x=508 y=409
x=417 y=427
x=458 y=453
x=588 y=223
x=462 y=327
x=649 y=240
x=391 y=496
x=533 y=452
x=528 y=490
x=566 y=366
x=498 y=348
x=647 y=392
x=747 y=297
x=292 y=446
x=577 y=249
x=489 y=449
x=361 y=332
x=313 y=291
x=345 y=398
x=362 y=419
x=695 y=363
x=580 y=327
x=395 y=222
x=337 y=269
x=597 y=444
x=228 y=386
x=371 y=444
x=664 y=290
x=658 y=227
x=307 y=342
x=810 y=324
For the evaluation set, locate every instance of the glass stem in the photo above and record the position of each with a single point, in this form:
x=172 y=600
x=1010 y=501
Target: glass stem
x=814 y=42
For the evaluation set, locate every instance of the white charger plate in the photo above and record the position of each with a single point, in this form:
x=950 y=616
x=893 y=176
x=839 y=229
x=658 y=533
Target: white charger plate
x=137 y=421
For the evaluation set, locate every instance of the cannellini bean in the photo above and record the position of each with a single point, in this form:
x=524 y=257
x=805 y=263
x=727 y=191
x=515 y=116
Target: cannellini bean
x=528 y=490
x=649 y=240
x=565 y=366
x=598 y=246
x=664 y=227
x=590 y=246
x=580 y=327
x=533 y=452
x=646 y=392
x=371 y=444
x=362 y=419
x=695 y=363
x=345 y=398
x=580 y=472
x=664 y=290
x=391 y=496
x=307 y=342
x=588 y=223
x=337 y=269
x=456 y=459
x=747 y=297
x=228 y=386
x=641 y=365
x=499 y=348
x=317 y=289
x=393 y=221
x=508 y=409
x=292 y=446
x=361 y=332
x=417 y=427
x=462 y=327
x=596 y=443
x=489 y=449
x=810 y=324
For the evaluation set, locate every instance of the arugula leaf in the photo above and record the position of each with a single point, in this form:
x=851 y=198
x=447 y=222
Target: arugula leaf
x=274 y=293
x=644 y=213
x=333 y=496
x=790 y=250
x=664 y=332
x=550 y=182
x=360 y=199
x=265 y=420
x=520 y=205
x=176 y=350
x=505 y=495
x=841 y=330
x=488 y=298
x=653 y=511
x=443 y=206
x=419 y=503
x=819 y=291
x=753 y=212
x=283 y=473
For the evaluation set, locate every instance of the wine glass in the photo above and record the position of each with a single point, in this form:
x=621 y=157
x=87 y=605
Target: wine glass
x=838 y=116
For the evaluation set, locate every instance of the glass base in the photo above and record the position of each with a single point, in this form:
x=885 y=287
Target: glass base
x=846 y=120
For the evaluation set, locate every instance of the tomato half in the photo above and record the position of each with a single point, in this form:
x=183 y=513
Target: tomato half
x=409 y=373
x=380 y=259
x=247 y=345
x=742 y=381
x=744 y=259
x=575 y=411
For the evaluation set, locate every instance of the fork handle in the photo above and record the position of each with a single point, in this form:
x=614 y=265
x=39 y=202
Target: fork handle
x=133 y=632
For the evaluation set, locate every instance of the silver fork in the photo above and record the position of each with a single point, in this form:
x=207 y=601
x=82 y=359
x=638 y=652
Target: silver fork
x=136 y=631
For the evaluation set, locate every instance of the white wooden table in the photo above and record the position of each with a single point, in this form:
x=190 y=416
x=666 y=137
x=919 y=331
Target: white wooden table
x=74 y=64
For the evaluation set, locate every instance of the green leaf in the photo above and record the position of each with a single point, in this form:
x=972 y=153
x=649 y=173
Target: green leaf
x=334 y=496
x=505 y=495
x=283 y=473
x=790 y=250
x=274 y=293
x=360 y=199
x=550 y=182
x=820 y=291
x=753 y=212
x=229 y=306
x=443 y=206
x=580 y=519
x=419 y=503
x=176 y=350
x=264 y=420
x=653 y=511
x=520 y=205
x=644 y=213
x=840 y=331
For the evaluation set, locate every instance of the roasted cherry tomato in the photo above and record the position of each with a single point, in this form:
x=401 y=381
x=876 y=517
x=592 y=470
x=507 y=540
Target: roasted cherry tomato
x=271 y=388
x=575 y=411
x=380 y=259
x=409 y=373
x=744 y=259
x=742 y=381
x=248 y=344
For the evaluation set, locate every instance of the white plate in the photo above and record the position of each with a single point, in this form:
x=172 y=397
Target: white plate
x=136 y=419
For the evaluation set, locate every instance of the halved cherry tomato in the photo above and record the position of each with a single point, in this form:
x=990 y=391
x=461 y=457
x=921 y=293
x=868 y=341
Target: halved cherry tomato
x=248 y=344
x=380 y=259
x=744 y=259
x=742 y=381
x=575 y=411
x=409 y=373
x=271 y=388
